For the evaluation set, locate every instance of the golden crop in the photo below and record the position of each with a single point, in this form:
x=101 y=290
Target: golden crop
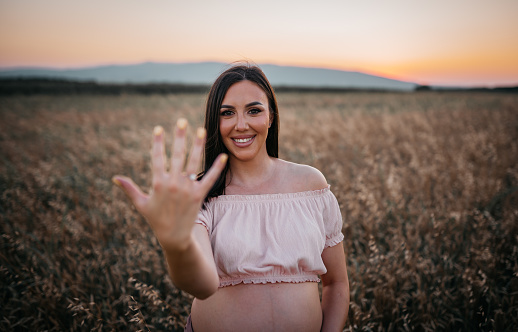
x=427 y=183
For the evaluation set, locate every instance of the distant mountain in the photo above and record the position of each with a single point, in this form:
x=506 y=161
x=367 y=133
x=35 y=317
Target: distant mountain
x=206 y=73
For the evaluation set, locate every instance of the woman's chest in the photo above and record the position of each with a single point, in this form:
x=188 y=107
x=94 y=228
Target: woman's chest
x=257 y=239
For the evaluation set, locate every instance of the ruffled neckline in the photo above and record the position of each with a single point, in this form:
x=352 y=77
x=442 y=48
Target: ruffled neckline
x=279 y=196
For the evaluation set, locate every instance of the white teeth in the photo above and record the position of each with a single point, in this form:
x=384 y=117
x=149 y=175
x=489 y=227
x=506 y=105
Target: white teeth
x=242 y=140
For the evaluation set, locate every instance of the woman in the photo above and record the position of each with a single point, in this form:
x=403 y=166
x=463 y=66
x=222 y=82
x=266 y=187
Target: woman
x=249 y=238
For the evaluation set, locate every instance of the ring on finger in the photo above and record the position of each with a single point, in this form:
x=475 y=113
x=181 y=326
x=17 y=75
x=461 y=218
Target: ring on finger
x=192 y=177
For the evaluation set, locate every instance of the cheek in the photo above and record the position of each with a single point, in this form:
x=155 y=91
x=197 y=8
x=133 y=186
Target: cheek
x=262 y=122
x=224 y=127
x=267 y=122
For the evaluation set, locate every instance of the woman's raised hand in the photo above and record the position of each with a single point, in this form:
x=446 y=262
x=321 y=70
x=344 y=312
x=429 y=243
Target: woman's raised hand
x=176 y=197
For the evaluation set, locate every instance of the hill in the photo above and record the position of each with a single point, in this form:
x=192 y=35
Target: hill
x=205 y=73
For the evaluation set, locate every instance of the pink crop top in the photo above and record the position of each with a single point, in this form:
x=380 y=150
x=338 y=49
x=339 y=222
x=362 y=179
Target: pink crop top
x=272 y=238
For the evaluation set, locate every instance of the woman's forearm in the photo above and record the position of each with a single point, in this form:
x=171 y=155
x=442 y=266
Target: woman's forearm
x=192 y=268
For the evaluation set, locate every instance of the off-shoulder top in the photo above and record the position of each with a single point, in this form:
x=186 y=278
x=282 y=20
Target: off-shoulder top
x=271 y=238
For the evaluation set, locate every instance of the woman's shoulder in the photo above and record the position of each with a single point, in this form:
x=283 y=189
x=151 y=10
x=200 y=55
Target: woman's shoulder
x=303 y=177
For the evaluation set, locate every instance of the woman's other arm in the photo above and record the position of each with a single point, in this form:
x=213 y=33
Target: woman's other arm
x=172 y=206
x=335 y=289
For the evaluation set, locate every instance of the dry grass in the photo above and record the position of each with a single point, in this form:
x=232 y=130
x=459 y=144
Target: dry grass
x=427 y=184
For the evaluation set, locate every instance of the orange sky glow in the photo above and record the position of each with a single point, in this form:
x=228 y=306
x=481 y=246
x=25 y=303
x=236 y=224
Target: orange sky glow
x=465 y=42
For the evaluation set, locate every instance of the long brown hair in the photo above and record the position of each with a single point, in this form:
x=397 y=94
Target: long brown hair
x=214 y=144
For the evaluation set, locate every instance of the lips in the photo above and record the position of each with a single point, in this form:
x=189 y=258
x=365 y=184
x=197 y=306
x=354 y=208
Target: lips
x=243 y=141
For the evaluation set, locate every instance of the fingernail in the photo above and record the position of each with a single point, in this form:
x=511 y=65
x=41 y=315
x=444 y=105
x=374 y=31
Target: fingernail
x=116 y=182
x=224 y=159
x=201 y=133
x=158 y=131
x=181 y=123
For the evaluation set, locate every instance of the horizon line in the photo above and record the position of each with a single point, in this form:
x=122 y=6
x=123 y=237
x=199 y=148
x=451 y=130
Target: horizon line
x=223 y=63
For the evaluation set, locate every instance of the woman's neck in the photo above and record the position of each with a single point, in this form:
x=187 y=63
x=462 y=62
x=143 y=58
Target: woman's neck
x=252 y=174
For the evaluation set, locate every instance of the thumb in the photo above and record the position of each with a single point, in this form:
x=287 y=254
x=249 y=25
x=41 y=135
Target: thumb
x=132 y=190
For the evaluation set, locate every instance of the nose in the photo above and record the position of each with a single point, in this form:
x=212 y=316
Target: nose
x=241 y=124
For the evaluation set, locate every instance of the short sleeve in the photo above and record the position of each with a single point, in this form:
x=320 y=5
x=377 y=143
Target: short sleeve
x=205 y=217
x=332 y=221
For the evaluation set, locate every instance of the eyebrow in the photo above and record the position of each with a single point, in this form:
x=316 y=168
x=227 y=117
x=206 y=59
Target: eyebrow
x=247 y=105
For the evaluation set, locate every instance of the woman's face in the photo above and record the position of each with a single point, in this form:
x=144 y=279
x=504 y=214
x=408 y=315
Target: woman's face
x=244 y=121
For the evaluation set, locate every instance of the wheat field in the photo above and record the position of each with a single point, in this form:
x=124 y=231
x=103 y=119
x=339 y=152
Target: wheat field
x=427 y=183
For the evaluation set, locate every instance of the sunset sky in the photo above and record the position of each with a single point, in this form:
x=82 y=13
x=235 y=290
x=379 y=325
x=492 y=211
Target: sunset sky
x=440 y=42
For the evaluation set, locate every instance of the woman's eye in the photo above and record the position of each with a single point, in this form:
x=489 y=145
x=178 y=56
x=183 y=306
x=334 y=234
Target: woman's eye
x=255 y=111
x=226 y=113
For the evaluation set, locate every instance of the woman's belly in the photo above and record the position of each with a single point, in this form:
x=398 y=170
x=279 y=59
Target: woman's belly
x=260 y=307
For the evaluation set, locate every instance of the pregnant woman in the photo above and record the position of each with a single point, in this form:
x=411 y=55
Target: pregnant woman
x=251 y=235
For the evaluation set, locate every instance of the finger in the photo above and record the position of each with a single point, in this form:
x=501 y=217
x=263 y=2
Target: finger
x=213 y=173
x=158 y=152
x=178 y=153
x=137 y=197
x=197 y=152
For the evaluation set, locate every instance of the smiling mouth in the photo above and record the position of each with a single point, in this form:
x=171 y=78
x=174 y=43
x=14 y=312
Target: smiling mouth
x=242 y=140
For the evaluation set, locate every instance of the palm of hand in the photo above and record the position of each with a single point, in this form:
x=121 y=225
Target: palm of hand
x=175 y=198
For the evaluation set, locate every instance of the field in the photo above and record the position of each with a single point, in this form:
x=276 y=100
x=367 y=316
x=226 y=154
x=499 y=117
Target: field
x=427 y=183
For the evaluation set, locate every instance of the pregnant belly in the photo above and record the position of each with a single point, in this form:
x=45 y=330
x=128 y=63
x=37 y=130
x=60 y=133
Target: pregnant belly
x=261 y=307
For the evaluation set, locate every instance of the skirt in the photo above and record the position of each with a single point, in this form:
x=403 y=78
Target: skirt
x=188 y=325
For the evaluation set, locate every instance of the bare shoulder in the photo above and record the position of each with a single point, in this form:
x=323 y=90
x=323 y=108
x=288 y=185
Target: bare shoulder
x=302 y=177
